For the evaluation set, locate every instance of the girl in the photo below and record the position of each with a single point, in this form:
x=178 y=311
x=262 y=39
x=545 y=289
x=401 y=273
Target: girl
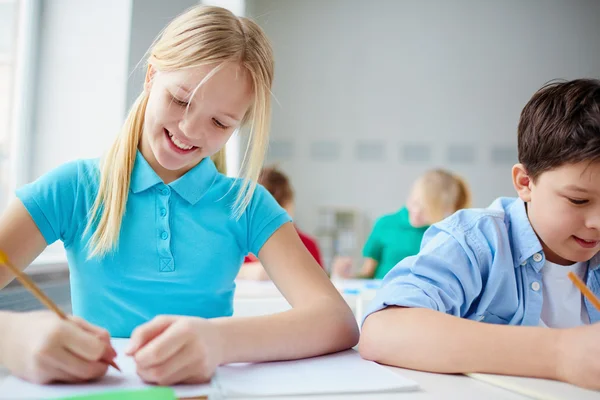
x=155 y=235
x=434 y=196
x=278 y=184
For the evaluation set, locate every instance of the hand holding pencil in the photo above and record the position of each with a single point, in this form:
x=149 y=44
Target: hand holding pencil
x=49 y=346
x=577 y=349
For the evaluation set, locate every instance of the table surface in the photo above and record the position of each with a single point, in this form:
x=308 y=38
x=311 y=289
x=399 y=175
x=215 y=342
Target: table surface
x=432 y=386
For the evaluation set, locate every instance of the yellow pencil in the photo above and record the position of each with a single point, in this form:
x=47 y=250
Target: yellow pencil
x=585 y=290
x=41 y=296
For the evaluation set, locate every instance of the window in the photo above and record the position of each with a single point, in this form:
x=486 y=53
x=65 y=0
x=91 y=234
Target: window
x=8 y=40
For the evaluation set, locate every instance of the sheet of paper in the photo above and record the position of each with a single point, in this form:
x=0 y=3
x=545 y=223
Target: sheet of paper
x=540 y=389
x=16 y=389
x=338 y=373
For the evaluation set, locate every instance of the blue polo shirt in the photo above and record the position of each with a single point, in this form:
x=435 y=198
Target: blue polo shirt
x=180 y=247
x=480 y=264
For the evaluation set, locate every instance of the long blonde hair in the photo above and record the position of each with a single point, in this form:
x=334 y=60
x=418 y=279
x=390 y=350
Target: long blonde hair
x=200 y=36
x=443 y=193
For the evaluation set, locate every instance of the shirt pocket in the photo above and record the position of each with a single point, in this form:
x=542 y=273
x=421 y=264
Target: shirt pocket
x=491 y=318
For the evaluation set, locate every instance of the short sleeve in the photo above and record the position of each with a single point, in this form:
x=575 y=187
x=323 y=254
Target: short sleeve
x=445 y=276
x=50 y=200
x=373 y=247
x=264 y=216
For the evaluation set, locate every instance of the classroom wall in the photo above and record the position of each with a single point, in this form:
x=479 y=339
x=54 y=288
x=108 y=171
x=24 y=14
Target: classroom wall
x=81 y=80
x=372 y=93
x=368 y=95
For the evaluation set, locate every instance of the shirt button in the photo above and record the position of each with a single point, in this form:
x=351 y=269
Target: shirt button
x=165 y=191
x=163 y=212
x=535 y=286
x=164 y=235
x=537 y=257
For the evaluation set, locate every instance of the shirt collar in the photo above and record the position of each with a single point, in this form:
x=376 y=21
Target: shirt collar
x=525 y=241
x=594 y=262
x=191 y=186
x=524 y=238
x=143 y=176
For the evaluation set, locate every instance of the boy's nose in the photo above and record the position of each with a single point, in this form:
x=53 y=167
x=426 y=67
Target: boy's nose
x=594 y=223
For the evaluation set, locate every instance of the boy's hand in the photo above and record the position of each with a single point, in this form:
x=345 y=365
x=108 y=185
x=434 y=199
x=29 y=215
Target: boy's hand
x=579 y=356
x=42 y=348
x=175 y=349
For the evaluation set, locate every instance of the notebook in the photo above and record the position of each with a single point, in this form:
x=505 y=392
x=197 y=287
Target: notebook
x=540 y=389
x=339 y=373
x=158 y=393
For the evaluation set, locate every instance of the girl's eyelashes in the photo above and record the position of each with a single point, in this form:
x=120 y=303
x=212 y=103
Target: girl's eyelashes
x=218 y=124
x=177 y=101
x=183 y=103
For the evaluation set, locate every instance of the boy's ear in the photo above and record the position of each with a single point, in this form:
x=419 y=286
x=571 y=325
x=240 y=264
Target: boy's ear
x=150 y=72
x=522 y=182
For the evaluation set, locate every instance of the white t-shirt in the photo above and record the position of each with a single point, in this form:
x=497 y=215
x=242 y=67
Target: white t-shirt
x=563 y=305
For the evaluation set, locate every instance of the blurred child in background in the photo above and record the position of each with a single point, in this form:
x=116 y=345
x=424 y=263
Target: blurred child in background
x=434 y=196
x=278 y=184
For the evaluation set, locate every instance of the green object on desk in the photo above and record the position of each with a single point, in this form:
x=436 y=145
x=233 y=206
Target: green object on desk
x=158 y=393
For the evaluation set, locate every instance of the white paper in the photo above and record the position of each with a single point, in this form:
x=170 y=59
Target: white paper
x=339 y=373
x=16 y=389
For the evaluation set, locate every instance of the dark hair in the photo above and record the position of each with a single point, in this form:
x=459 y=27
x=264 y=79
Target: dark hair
x=560 y=125
x=278 y=184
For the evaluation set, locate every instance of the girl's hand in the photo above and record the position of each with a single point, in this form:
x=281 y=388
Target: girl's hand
x=42 y=348
x=341 y=267
x=174 y=349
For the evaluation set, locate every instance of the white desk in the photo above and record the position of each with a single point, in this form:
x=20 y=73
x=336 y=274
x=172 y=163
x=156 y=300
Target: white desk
x=433 y=386
x=257 y=298
x=254 y=298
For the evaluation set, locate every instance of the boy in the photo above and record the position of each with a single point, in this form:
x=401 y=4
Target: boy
x=507 y=265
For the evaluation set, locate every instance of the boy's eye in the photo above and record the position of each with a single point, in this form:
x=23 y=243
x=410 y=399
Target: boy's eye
x=577 y=201
x=218 y=124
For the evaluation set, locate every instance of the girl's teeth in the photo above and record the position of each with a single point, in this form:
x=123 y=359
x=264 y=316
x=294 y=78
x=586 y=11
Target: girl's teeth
x=179 y=144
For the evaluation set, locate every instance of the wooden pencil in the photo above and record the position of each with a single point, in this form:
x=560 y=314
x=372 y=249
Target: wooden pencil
x=37 y=292
x=584 y=289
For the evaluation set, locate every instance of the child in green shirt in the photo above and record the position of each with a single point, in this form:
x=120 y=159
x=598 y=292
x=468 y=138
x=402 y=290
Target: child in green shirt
x=434 y=196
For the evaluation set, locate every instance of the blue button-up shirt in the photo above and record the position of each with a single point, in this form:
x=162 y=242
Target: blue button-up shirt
x=179 y=250
x=480 y=264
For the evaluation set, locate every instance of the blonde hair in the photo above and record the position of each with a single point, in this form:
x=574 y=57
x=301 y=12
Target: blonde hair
x=200 y=36
x=443 y=193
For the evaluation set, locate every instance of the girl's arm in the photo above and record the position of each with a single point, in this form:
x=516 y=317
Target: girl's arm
x=39 y=346
x=20 y=239
x=320 y=321
x=178 y=349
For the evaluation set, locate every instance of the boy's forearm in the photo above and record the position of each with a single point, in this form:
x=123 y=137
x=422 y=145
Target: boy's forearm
x=428 y=340
x=297 y=333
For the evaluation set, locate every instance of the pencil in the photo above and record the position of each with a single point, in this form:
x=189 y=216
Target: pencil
x=585 y=290
x=36 y=291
